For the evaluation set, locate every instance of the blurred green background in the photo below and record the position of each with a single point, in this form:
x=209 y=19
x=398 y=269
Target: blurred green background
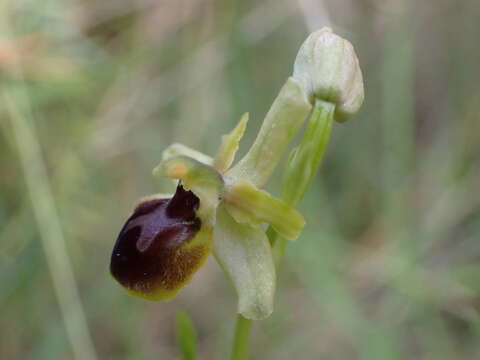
x=91 y=91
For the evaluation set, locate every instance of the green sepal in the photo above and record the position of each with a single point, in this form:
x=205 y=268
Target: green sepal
x=177 y=149
x=286 y=115
x=244 y=253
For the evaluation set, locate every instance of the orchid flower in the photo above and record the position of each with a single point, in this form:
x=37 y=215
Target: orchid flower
x=221 y=209
x=216 y=208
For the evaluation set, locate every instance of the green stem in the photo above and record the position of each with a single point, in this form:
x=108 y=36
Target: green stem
x=16 y=102
x=240 y=340
x=51 y=233
x=298 y=175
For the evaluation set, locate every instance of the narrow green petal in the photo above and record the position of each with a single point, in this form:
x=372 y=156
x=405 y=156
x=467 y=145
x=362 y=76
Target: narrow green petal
x=248 y=204
x=203 y=180
x=228 y=148
x=284 y=118
x=245 y=255
x=177 y=149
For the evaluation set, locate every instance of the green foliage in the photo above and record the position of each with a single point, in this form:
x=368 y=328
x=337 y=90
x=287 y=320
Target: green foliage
x=186 y=336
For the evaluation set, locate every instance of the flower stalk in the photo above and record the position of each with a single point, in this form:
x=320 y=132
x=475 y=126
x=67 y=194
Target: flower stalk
x=241 y=338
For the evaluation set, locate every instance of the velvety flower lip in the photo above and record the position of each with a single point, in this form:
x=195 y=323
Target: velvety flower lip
x=156 y=252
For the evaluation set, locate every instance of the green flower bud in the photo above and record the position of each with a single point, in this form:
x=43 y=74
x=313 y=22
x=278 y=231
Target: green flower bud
x=328 y=69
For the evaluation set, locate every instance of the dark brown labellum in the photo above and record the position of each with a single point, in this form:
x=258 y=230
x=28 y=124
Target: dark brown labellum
x=155 y=252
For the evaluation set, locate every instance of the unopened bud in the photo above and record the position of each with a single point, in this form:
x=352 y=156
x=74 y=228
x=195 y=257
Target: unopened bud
x=328 y=69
